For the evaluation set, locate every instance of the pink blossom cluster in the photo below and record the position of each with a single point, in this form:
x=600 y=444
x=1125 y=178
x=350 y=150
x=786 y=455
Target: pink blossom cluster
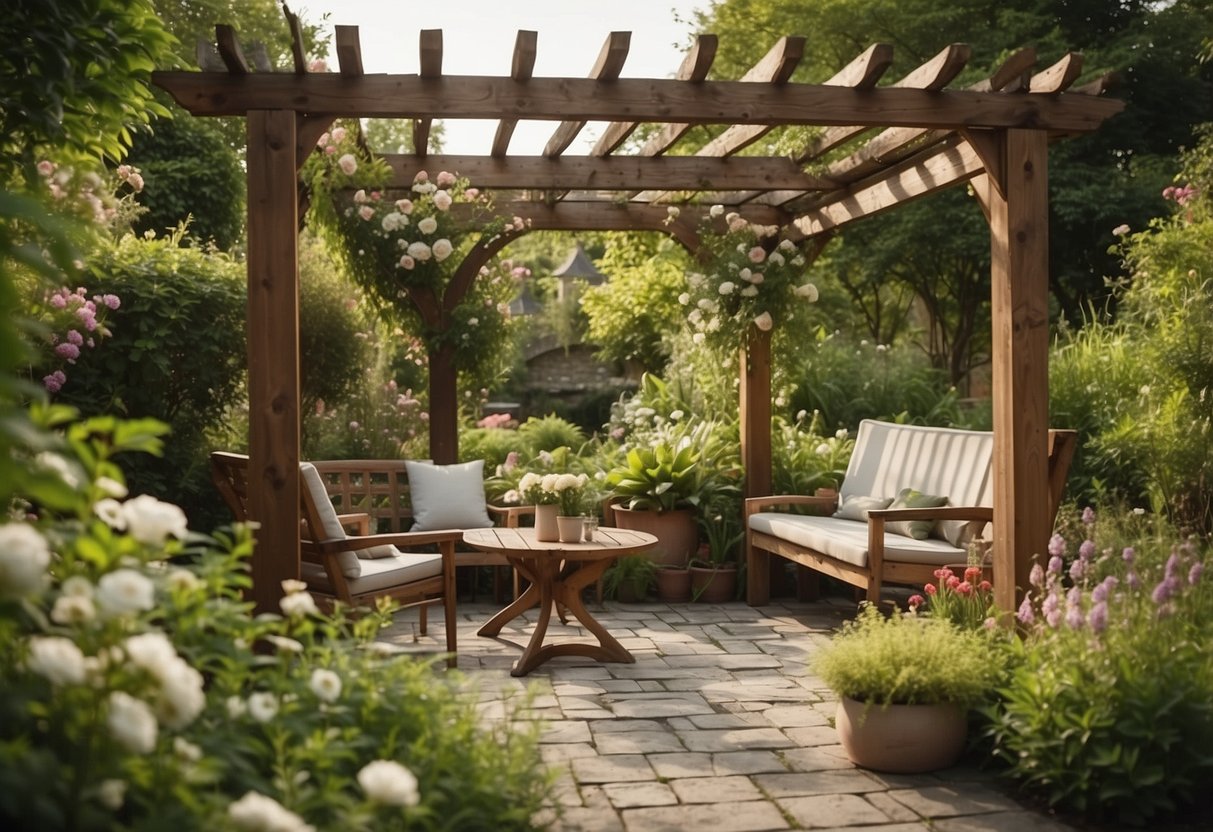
x=497 y=420
x=1181 y=195
x=82 y=313
x=89 y=189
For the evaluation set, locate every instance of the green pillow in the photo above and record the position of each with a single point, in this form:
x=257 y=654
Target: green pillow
x=857 y=506
x=911 y=498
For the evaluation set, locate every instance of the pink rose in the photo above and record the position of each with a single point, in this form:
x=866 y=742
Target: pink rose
x=757 y=254
x=445 y=179
x=338 y=134
x=348 y=164
x=366 y=212
x=67 y=350
x=407 y=262
x=421 y=176
x=404 y=206
x=46 y=168
x=442 y=200
x=135 y=180
x=54 y=382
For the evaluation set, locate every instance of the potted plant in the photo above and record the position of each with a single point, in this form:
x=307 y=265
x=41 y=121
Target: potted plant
x=714 y=572
x=905 y=683
x=655 y=490
x=630 y=578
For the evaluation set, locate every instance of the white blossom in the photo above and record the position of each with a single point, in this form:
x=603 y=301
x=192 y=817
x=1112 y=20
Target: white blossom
x=110 y=512
x=298 y=604
x=442 y=249
x=186 y=750
x=290 y=585
x=257 y=813
x=111 y=487
x=684 y=298
x=111 y=793
x=24 y=557
x=325 y=684
x=749 y=291
x=427 y=225
x=807 y=291
x=56 y=659
x=182 y=580
x=442 y=200
x=716 y=211
x=57 y=464
x=263 y=706
x=348 y=164
x=131 y=723
x=286 y=645
x=764 y=322
x=151 y=521
x=419 y=251
x=124 y=591
x=727 y=288
x=73 y=609
x=389 y=783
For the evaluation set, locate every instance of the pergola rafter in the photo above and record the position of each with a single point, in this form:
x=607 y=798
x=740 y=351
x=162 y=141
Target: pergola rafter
x=878 y=147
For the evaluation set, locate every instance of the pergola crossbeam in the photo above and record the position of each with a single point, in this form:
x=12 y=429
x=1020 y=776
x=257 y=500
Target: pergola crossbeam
x=525 y=50
x=606 y=68
x=430 y=53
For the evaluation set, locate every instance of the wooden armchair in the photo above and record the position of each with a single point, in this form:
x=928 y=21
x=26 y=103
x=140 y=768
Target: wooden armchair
x=356 y=570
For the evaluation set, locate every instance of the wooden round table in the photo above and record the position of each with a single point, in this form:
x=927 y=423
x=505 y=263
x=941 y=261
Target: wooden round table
x=558 y=573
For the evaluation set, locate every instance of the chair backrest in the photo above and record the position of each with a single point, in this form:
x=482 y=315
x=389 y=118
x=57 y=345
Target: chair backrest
x=378 y=487
x=229 y=473
x=946 y=462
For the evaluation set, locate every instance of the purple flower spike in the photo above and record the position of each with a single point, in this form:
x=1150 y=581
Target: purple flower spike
x=1173 y=564
x=1077 y=569
x=1057 y=545
x=1055 y=565
x=1087 y=550
x=1026 y=615
x=1133 y=581
x=1128 y=554
x=1074 y=618
x=1037 y=576
x=1098 y=619
x=1104 y=589
x=1088 y=516
x=1195 y=572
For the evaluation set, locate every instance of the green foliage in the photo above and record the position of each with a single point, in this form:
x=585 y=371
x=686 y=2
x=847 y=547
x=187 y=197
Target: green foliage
x=549 y=433
x=1107 y=710
x=256 y=21
x=907 y=660
x=633 y=575
x=177 y=355
x=803 y=459
x=192 y=173
x=631 y=315
x=75 y=76
x=660 y=477
x=1140 y=390
x=846 y=382
x=139 y=691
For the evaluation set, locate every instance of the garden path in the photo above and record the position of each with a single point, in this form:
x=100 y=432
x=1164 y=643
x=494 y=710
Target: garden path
x=719 y=726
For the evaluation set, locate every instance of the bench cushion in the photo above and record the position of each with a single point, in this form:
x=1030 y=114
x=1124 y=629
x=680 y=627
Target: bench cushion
x=847 y=540
x=379 y=574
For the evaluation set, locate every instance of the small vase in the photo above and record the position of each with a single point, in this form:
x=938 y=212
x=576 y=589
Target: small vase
x=569 y=528
x=545 y=523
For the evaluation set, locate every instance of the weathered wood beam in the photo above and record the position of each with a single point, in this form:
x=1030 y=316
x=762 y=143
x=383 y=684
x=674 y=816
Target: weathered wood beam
x=945 y=165
x=229 y=49
x=1060 y=76
x=935 y=74
x=637 y=99
x=349 y=51
x=273 y=353
x=297 y=54
x=523 y=66
x=861 y=74
x=606 y=68
x=1019 y=277
x=430 y=68
x=607 y=173
x=774 y=68
x=694 y=68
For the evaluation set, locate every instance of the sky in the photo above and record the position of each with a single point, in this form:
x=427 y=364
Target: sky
x=478 y=39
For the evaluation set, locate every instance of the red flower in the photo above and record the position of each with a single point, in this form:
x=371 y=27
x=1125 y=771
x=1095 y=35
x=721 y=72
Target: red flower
x=916 y=601
x=985 y=586
x=972 y=573
x=953 y=582
x=964 y=588
x=929 y=589
x=943 y=573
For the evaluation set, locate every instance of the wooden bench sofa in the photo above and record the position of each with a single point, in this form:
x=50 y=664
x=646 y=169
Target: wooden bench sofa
x=941 y=462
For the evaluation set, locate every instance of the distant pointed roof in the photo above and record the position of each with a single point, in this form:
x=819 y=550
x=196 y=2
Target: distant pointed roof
x=579 y=264
x=525 y=303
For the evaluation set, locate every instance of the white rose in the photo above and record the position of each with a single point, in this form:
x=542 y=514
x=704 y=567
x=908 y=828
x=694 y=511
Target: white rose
x=73 y=609
x=263 y=706
x=716 y=211
x=257 y=813
x=727 y=287
x=807 y=291
x=286 y=645
x=131 y=723
x=182 y=696
x=442 y=249
x=360 y=197
x=186 y=750
x=298 y=604
x=110 y=512
x=182 y=580
x=325 y=684
x=427 y=225
x=56 y=659
x=24 y=557
x=151 y=521
x=684 y=298
x=442 y=200
x=77 y=585
x=749 y=291
x=389 y=783
x=348 y=164
x=764 y=322
x=419 y=251
x=111 y=488
x=698 y=337
x=124 y=591
x=290 y=585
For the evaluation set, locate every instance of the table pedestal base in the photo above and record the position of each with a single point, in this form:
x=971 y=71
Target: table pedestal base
x=556 y=582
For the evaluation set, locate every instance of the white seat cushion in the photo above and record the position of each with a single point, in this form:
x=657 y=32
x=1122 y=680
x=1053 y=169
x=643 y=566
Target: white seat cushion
x=330 y=525
x=379 y=574
x=847 y=540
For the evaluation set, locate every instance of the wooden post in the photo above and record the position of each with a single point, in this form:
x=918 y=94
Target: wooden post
x=1019 y=212
x=444 y=407
x=756 y=414
x=273 y=352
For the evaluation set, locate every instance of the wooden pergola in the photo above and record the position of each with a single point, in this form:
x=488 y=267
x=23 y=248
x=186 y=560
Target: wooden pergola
x=882 y=145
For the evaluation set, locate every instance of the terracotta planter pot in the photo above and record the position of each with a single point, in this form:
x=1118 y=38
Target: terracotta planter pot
x=714 y=584
x=676 y=531
x=902 y=739
x=674 y=584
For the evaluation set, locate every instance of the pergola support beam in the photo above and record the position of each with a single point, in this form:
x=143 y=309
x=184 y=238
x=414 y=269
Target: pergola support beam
x=1020 y=310
x=273 y=351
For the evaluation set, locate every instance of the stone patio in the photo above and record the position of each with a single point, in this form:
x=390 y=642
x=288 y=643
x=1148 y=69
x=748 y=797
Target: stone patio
x=719 y=726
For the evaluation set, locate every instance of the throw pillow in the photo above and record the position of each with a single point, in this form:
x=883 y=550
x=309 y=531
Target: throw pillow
x=857 y=506
x=447 y=496
x=911 y=498
x=330 y=526
x=959 y=533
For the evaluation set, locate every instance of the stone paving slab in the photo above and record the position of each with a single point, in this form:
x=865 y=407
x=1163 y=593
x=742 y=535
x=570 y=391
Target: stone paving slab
x=720 y=725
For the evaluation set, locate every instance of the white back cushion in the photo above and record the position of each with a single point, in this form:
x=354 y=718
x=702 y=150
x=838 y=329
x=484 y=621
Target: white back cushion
x=330 y=526
x=447 y=496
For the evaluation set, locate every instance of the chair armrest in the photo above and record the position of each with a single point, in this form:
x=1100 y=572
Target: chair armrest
x=397 y=539
x=508 y=515
x=358 y=523
x=828 y=503
x=938 y=513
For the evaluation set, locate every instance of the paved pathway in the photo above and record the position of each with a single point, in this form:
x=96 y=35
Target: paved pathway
x=719 y=726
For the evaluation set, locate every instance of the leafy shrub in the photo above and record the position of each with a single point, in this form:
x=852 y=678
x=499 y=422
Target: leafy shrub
x=549 y=433
x=803 y=460
x=139 y=691
x=493 y=445
x=176 y=355
x=1107 y=711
